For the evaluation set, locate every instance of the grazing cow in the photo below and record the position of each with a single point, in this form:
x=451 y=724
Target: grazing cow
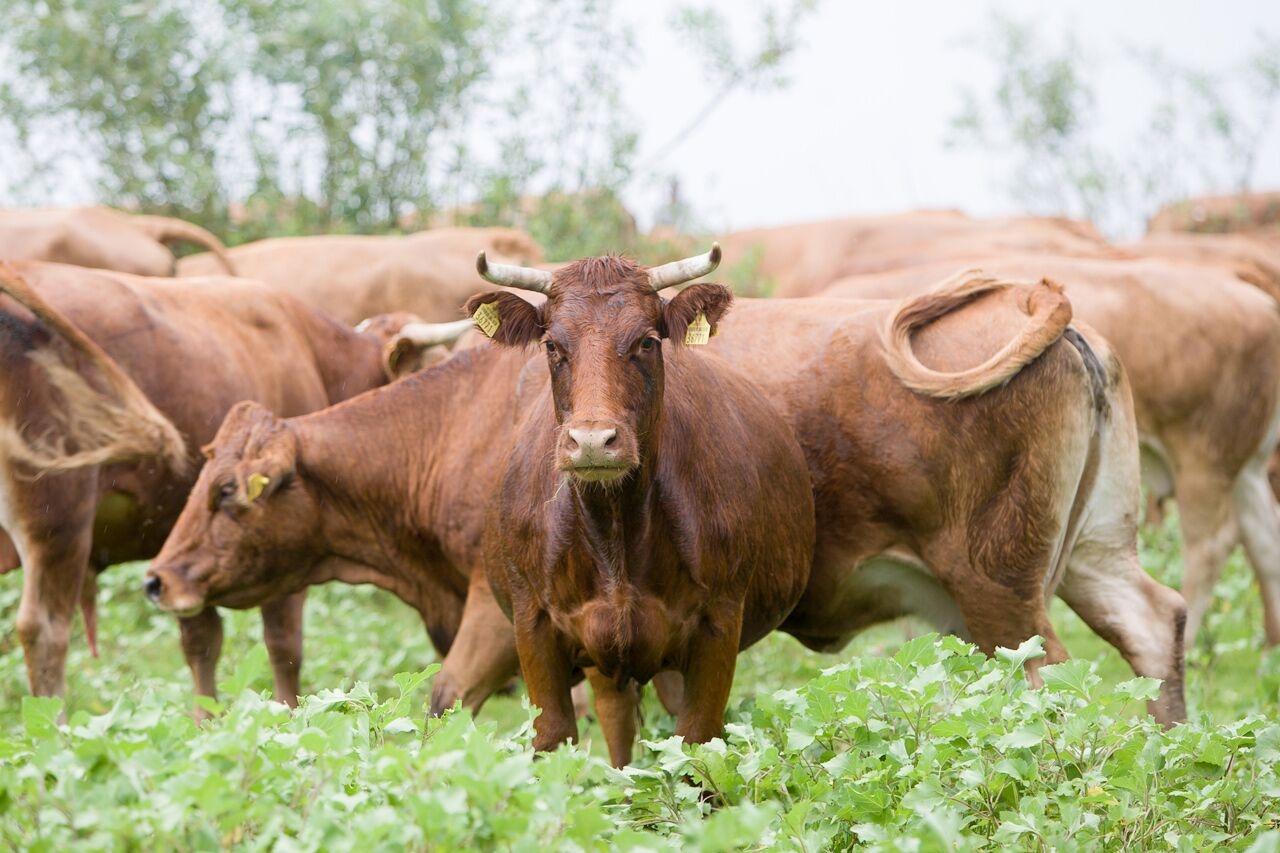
x=108 y=382
x=1202 y=351
x=976 y=459
x=655 y=514
x=803 y=259
x=103 y=238
x=408 y=517
x=1245 y=212
x=353 y=277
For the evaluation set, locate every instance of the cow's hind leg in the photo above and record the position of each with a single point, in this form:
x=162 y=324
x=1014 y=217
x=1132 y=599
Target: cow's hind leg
x=282 y=632
x=1259 y=523
x=1209 y=533
x=202 y=644
x=53 y=540
x=1140 y=617
x=482 y=657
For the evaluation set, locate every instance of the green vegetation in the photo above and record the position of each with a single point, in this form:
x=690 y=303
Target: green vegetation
x=897 y=744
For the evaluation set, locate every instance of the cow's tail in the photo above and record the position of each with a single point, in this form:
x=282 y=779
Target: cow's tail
x=92 y=427
x=1048 y=312
x=167 y=229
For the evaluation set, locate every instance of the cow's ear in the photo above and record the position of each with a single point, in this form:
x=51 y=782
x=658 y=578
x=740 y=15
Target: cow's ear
x=710 y=301
x=270 y=462
x=506 y=318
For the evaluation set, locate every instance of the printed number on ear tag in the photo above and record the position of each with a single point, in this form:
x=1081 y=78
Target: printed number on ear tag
x=486 y=317
x=256 y=485
x=699 y=331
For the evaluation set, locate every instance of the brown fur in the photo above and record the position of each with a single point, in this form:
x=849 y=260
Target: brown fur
x=1201 y=349
x=102 y=238
x=665 y=566
x=101 y=430
x=352 y=277
x=191 y=350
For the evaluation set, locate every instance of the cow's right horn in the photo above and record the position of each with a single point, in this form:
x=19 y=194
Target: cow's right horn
x=678 y=272
x=523 y=278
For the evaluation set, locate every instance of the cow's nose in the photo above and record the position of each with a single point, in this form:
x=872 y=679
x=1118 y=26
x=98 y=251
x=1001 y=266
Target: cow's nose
x=593 y=446
x=152 y=587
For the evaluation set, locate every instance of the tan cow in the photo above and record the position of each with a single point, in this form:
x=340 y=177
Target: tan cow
x=1247 y=256
x=1203 y=353
x=109 y=384
x=802 y=259
x=1243 y=212
x=429 y=274
x=103 y=238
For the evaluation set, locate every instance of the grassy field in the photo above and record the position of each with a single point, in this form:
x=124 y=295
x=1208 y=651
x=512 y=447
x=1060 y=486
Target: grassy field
x=953 y=752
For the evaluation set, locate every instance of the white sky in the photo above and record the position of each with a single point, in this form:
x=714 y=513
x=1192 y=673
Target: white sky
x=863 y=126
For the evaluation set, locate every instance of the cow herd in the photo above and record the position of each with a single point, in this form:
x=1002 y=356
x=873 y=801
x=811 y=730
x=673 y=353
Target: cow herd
x=609 y=481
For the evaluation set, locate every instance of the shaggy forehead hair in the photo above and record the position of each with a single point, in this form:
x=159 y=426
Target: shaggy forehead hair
x=603 y=276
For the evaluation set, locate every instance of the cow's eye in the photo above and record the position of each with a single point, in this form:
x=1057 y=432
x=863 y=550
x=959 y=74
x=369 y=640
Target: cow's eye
x=551 y=347
x=647 y=344
x=225 y=492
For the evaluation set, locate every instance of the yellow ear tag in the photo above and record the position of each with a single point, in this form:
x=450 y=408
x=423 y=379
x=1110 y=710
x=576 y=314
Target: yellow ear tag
x=486 y=317
x=699 y=331
x=257 y=484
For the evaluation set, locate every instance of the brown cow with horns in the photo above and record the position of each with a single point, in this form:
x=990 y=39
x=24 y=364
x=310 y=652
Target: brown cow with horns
x=656 y=513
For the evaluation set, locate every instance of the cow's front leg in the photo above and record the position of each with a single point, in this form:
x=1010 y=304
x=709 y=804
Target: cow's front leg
x=202 y=644
x=708 y=676
x=547 y=671
x=482 y=657
x=282 y=632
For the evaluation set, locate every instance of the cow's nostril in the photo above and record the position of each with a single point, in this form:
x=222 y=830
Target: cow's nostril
x=611 y=438
x=152 y=587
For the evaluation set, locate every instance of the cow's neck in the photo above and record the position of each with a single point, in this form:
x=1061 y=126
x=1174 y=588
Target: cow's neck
x=350 y=363
x=614 y=526
x=371 y=464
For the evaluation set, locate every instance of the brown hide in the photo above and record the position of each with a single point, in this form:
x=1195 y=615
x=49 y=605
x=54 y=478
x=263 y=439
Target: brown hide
x=102 y=238
x=1201 y=350
x=684 y=535
x=353 y=277
x=802 y=259
x=408 y=518
x=194 y=348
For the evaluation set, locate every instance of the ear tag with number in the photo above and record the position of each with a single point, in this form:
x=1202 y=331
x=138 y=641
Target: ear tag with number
x=486 y=317
x=699 y=331
x=257 y=485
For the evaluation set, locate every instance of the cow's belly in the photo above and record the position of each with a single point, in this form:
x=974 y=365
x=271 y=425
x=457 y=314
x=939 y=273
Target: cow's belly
x=867 y=593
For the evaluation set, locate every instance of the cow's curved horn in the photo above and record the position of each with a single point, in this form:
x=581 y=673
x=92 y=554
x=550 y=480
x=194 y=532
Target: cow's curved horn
x=678 y=272
x=432 y=334
x=523 y=278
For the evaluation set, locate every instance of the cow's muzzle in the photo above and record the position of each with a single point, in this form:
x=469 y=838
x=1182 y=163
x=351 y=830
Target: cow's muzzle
x=596 y=452
x=168 y=593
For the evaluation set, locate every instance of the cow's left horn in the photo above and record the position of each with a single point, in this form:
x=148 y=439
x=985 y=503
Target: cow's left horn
x=678 y=272
x=432 y=334
x=523 y=278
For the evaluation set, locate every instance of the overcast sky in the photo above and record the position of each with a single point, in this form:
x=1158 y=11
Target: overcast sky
x=864 y=124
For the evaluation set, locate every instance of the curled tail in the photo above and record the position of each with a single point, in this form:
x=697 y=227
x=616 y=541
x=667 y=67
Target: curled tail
x=167 y=229
x=1046 y=305
x=118 y=427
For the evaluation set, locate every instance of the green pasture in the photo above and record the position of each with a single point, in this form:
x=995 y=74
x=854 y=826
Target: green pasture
x=904 y=741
